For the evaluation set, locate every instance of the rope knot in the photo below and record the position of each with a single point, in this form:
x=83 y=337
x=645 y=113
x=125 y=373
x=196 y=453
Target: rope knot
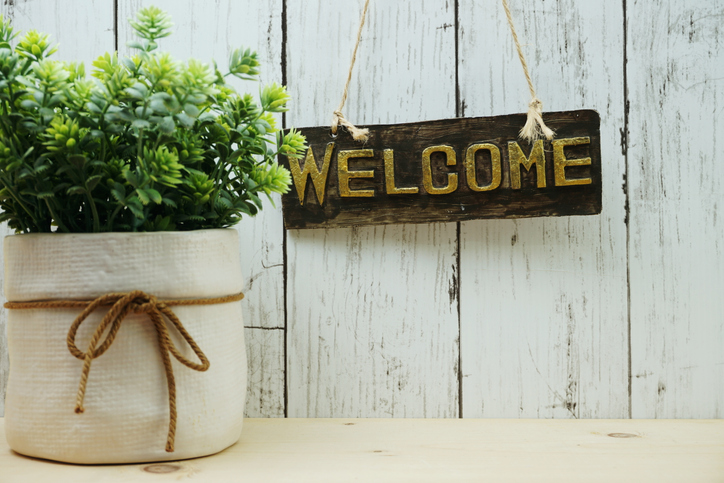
x=361 y=135
x=121 y=304
x=142 y=303
x=358 y=134
x=137 y=302
x=535 y=128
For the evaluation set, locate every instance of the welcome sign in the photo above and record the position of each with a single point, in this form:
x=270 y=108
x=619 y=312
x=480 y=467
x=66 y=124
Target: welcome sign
x=447 y=170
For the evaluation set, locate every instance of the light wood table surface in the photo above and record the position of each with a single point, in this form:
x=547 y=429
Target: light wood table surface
x=422 y=450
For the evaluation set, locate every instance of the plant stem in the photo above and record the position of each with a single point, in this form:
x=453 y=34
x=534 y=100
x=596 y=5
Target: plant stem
x=57 y=219
x=96 y=220
x=113 y=217
x=139 y=150
x=19 y=201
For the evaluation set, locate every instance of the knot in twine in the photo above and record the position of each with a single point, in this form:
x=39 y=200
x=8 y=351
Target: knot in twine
x=534 y=127
x=338 y=119
x=123 y=304
x=358 y=134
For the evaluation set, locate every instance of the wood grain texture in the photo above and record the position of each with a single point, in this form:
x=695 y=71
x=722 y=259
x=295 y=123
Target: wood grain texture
x=407 y=144
x=211 y=30
x=544 y=309
x=429 y=450
x=676 y=57
x=543 y=301
x=372 y=311
x=265 y=357
x=82 y=29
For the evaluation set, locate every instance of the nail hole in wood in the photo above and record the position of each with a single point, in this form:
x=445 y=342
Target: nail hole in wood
x=623 y=435
x=160 y=469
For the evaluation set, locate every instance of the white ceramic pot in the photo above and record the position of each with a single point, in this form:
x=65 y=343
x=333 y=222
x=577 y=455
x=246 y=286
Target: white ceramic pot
x=126 y=416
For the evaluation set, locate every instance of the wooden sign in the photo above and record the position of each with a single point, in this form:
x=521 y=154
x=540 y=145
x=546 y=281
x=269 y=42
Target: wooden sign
x=447 y=170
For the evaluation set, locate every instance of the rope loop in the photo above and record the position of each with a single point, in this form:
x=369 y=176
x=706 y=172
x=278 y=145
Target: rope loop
x=122 y=304
x=140 y=303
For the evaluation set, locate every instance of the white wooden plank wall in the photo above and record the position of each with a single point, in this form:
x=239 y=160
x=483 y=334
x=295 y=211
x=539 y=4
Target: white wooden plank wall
x=372 y=311
x=609 y=316
x=544 y=313
x=676 y=90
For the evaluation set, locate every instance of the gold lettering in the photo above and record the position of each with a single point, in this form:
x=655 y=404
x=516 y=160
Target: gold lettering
x=389 y=156
x=319 y=179
x=452 y=178
x=560 y=162
x=537 y=157
x=345 y=174
x=495 y=166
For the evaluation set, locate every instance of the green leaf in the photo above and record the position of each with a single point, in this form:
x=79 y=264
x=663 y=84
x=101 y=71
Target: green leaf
x=134 y=93
x=136 y=208
x=185 y=119
x=154 y=195
x=94 y=108
x=29 y=104
x=169 y=202
x=223 y=203
x=76 y=190
x=120 y=196
x=132 y=178
x=191 y=110
x=93 y=181
x=135 y=44
x=143 y=196
x=167 y=125
x=141 y=124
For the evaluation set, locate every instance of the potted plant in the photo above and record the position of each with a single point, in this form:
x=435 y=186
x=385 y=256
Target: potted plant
x=122 y=188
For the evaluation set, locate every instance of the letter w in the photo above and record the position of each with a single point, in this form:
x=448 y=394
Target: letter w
x=311 y=170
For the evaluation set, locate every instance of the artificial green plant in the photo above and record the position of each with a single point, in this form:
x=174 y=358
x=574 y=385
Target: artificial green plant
x=147 y=144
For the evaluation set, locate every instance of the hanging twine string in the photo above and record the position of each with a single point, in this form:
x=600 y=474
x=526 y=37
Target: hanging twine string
x=534 y=127
x=337 y=118
x=122 y=304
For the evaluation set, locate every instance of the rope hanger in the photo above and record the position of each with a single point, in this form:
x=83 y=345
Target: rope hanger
x=534 y=128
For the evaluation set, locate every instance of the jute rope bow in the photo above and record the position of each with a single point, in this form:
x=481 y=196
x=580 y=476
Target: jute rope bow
x=123 y=304
x=533 y=129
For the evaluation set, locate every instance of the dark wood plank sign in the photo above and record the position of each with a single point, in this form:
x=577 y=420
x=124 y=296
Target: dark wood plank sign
x=447 y=170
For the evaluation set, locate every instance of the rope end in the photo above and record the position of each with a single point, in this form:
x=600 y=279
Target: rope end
x=358 y=134
x=361 y=135
x=534 y=127
x=169 y=447
x=79 y=410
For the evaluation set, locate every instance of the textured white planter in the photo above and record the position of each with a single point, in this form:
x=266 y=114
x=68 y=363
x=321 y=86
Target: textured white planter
x=126 y=403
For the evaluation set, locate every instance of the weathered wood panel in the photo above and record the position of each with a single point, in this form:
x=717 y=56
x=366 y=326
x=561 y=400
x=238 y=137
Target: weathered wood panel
x=211 y=30
x=446 y=170
x=265 y=356
x=82 y=29
x=543 y=301
x=676 y=71
x=372 y=311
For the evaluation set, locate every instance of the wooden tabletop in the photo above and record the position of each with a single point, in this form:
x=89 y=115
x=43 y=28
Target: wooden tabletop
x=421 y=450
